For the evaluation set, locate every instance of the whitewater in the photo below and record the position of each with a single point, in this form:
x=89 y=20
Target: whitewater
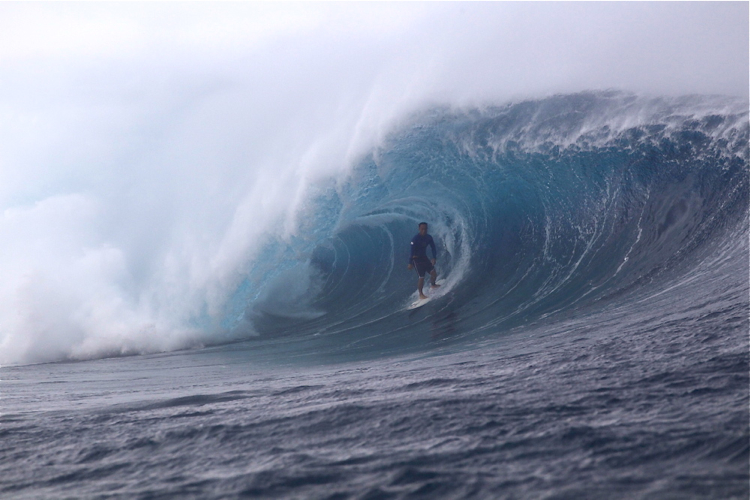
x=591 y=340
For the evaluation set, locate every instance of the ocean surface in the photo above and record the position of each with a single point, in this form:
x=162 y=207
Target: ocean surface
x=590 y=339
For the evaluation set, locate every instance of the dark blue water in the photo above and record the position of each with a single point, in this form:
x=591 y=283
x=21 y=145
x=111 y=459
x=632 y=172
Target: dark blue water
x=591 y=340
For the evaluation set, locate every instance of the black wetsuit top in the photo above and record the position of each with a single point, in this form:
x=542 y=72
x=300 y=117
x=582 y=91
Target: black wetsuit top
x=419 y=246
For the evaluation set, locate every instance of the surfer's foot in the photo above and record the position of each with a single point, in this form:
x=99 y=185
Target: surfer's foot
x=422 y=296
x=433 y=285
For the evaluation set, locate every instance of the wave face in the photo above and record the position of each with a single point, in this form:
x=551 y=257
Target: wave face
x=541 y=210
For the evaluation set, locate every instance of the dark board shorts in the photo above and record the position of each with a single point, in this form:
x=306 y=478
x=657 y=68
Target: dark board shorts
x=423 y=266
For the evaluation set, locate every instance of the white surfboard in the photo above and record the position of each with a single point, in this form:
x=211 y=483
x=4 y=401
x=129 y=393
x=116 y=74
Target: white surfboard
x=418 y=303
x=434 y=293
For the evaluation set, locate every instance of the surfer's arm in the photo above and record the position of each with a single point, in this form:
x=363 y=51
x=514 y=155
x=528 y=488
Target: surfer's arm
x=433 y=248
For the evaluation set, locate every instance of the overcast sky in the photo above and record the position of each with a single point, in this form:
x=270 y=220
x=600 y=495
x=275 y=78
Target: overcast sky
x=510 y=47
x=146 y=148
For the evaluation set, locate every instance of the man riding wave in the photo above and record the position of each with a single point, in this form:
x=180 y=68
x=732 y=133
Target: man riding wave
x=418 y=258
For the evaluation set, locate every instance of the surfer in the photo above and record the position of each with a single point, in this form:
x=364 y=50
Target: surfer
x=418 y=258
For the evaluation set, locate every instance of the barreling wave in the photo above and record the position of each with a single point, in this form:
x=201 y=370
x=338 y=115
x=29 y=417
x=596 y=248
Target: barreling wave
x=539 y=208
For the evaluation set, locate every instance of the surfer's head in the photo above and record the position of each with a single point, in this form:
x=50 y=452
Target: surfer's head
x=422 y=228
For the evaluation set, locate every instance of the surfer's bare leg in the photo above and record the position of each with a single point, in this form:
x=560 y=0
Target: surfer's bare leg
x=420 y=285
x=433 y=277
